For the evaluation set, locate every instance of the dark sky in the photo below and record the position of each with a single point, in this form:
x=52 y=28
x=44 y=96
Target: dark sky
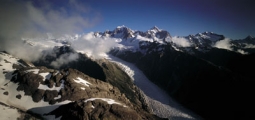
x=232 y=18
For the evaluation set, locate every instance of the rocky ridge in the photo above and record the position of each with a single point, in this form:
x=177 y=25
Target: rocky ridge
x=69 y=94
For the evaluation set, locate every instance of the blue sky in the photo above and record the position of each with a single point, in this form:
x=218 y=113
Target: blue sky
x=232 y=18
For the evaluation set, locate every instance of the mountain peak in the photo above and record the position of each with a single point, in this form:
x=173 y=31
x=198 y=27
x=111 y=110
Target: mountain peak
x=249 y=37
x=155 y=28
x=122 y=26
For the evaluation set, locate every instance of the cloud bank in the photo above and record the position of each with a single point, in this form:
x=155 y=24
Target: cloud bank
x=26 y=19
x=64 y=59
x=182 y=42
x=249 y=46
x=224 y=44
x=94 y=47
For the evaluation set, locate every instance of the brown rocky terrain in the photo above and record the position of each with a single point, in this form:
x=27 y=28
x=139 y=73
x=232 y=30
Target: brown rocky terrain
x=53 y=86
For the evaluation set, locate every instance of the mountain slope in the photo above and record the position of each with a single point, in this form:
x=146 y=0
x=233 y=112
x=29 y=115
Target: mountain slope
x=158 y=100
x=203 y=82
x=65 y=94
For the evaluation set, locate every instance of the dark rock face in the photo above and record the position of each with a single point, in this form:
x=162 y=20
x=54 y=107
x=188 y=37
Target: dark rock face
x=50 y=95
x=28 y=82
x=38 y=95
x=215 y=85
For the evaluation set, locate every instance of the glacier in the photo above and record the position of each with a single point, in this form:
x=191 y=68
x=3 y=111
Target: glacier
x=158 y=100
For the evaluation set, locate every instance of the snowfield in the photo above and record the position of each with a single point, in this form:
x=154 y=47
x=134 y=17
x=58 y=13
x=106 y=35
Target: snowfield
x=8 y=92
x=159 y=101
x=8 y=113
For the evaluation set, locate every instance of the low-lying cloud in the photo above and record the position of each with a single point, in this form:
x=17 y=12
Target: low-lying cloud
x=180 y=41
x=27 y=19
x=64 y=59
x=249 y=46
x=94 y=47
x=224 y=44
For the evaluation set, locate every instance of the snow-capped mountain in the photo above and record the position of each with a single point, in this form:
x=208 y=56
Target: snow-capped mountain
x=197 y=70
x=142 y=41
x=188 y=68
x=205 y=39
x=125 y=33
x=135 y=40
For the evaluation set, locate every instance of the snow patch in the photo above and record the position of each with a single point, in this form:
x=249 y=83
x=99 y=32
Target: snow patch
x=109 y=101
x=35 y=71
x=46 y=76
x=81 y=81
x=58 y=97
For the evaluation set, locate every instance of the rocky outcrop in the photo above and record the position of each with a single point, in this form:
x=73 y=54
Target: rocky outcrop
x=70 y=93
x=68 y=83
x=92 y=98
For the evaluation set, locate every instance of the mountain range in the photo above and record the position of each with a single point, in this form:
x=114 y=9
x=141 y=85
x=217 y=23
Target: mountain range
x=201 y=76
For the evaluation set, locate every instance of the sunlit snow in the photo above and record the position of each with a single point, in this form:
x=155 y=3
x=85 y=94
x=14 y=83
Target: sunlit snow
x=109 y=101
x=82 y=81
x=159 y=101
x=35 y=71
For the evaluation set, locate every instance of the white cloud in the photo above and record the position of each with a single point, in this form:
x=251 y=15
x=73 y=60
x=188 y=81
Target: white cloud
x=64 y=59
x=242 y=51
x=249 y=46
x=224 y=44
x=22 y=19
x=182 y=42
x=94 y=47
